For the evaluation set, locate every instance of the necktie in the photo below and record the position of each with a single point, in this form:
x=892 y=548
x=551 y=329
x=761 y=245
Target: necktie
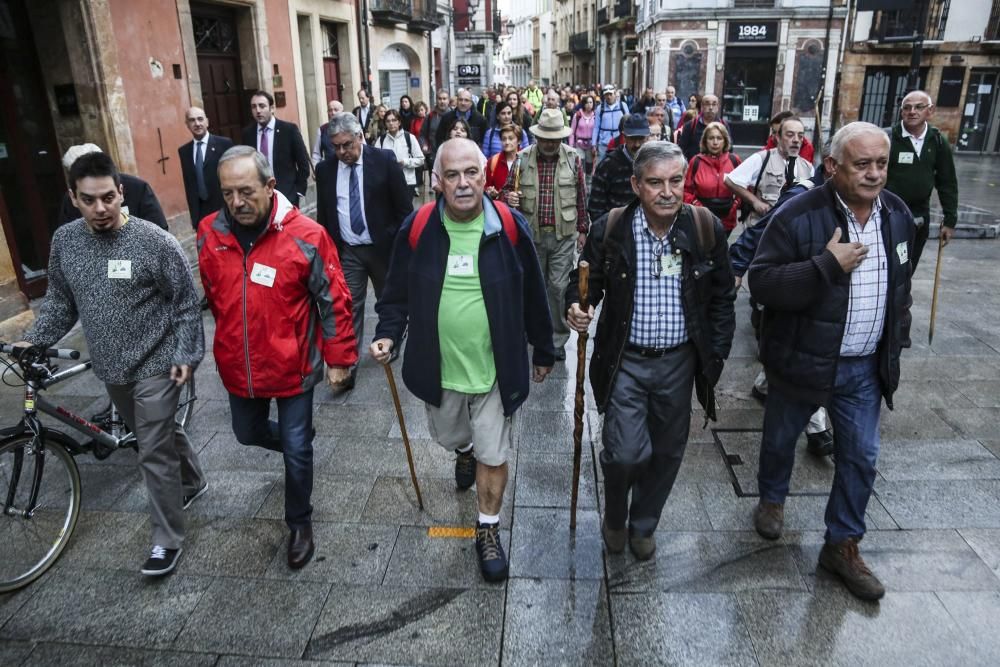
x=789 y=175
x=264 y=148
x=357 y=220
x=199 y=170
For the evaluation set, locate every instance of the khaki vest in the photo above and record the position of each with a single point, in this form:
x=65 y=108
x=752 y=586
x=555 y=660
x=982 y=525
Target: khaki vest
x=564 y=196
x=773 y=179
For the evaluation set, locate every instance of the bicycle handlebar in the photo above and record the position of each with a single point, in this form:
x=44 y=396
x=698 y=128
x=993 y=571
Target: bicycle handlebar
x=51 y=353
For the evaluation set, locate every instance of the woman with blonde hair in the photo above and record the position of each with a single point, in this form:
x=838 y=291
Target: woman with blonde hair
x=705 y=181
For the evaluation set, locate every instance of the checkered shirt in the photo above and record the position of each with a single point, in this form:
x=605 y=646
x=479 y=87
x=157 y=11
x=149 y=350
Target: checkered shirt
x=869 y=285
x=658 y=313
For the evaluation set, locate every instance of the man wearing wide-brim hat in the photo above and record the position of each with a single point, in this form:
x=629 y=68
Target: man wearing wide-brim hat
x=547 y=185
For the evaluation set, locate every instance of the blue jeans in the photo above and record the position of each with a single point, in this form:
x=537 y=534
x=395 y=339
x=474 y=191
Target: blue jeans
x=854 y=412
x=292 y=435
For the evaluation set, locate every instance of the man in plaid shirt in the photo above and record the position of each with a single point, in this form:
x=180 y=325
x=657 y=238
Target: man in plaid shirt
x=662 y=271
x=552 y=194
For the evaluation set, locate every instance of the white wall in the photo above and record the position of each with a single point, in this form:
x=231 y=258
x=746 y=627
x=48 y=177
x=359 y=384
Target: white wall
x=967 y=18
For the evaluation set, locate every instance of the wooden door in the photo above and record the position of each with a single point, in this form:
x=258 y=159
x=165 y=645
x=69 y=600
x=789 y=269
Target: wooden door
x=226 y=103
x=331 y=63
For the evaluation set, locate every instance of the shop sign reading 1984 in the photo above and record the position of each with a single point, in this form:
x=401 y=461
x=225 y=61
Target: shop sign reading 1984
x=756 y=32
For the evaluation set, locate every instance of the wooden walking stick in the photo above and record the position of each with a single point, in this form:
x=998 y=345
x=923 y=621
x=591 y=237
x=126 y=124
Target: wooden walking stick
x=581 y=366
x=402 y=429
x=937 y=277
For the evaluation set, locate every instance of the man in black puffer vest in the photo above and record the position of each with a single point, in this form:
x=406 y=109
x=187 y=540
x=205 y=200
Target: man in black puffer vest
x=833 y=273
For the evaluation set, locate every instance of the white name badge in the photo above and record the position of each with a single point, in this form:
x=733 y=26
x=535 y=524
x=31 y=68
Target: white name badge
x=263 y=275
x=120 y=269
x=460 y=265
x=670 y=265
x=906 y=158
x=904 y=255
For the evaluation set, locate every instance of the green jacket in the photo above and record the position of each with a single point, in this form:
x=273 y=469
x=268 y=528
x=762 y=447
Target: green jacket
x=914 y=177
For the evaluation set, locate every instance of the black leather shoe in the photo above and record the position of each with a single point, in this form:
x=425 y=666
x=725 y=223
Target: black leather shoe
x=820 y=444
x=300 y=547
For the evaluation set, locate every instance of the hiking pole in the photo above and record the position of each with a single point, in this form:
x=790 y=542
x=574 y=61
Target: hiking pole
x=402 y=429
x=581 y=365
x=937 y=280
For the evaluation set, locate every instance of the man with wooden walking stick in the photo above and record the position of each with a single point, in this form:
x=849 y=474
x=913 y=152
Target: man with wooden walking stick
x=662 y=271
x=465 y=276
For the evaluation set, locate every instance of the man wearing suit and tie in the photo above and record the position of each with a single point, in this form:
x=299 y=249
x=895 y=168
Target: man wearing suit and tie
x=199 y=162
x=361 y=200
x=365 y=111
x=281 y=143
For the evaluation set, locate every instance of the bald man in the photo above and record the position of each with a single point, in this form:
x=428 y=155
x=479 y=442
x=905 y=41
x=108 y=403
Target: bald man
x=323 y=147
x=920 y=161
x=199 y=163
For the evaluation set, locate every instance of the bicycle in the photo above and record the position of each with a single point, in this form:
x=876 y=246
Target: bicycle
x=39 y=479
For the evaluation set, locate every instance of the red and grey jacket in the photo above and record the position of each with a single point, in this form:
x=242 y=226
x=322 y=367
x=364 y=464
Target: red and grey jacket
x=282 y=309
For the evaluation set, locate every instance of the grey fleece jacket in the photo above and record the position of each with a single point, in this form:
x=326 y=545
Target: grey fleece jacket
x=137 y=324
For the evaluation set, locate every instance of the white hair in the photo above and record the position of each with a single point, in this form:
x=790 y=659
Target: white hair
x=74 y=152
x=849 y=133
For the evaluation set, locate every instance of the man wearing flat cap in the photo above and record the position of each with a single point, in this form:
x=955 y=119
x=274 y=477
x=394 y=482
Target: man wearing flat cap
x=551 y=193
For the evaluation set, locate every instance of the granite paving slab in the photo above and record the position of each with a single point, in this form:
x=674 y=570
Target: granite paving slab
x=832 y=627
x=108 y=540
x=14 y=653
x=104 y=488
x=346 y=553
x=107 y=608
x=231 y=546
x=78 y=655
x=421 y=560
x=810 y=474
x=542 y=544
x=393 y=501
x=705 y=562
x=901 y=460
x=972 y=423
x=557 y=622
x=986 y=543
x=546 y=480
x=254 y=617
x=680 y=629
x=354 y=455
x=904 y=560
x=241 y=661
x=976 y=614
x=334 y=498
x=233 y=493
x=942 y=503
x=404 y=625
x=983 y=394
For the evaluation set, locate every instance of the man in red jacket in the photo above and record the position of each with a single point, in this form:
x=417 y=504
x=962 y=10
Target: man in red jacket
x=282 y=309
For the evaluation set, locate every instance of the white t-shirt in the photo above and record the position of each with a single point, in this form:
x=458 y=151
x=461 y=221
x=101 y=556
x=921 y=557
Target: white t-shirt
x=745 y=175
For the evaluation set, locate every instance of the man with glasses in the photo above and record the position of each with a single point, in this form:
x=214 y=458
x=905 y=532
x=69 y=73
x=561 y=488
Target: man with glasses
x=920 y=160
x=361 y=200
x=662 y=271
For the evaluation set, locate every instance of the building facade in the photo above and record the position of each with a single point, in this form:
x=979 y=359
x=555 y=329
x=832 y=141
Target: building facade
x=758 y=57
x=959 y=67
x=617 y=43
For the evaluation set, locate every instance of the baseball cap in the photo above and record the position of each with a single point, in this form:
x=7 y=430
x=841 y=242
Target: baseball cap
x=636 y=125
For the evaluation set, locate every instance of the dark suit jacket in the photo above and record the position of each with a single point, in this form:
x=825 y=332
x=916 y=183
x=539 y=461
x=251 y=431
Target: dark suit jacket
x=139 y=198
x=216 y=147
x=368 y=121
x=476 y=123
x=387 y=198
x=289 y=158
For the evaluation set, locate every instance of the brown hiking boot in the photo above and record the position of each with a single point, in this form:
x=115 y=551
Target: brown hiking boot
x=769 y=519
x=642 y=547
x=845 y=561
x=614 y=540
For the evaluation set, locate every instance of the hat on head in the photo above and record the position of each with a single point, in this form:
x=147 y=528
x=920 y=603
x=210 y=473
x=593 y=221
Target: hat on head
x=636 y=125
x=608 y=89
x=551 y=126
x=74 y=152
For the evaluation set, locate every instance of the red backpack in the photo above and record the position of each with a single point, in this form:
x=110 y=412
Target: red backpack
x=424 y=214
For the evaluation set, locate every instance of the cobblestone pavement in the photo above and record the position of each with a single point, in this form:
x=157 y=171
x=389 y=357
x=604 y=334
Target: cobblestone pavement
x=381 y=590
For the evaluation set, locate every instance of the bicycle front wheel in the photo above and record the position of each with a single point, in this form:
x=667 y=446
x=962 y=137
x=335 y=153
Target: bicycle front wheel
x=40 y=496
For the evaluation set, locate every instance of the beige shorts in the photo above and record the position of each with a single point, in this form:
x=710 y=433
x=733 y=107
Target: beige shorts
x=476 y=418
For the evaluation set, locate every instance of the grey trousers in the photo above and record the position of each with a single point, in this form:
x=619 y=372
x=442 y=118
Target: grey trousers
x=556 y=259
x=361 y=263
x=645 y=433
x=167 y=461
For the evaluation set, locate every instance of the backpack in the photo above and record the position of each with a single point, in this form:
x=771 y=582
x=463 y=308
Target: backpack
x=424 y=214
x=599 y=120
x=704 y=226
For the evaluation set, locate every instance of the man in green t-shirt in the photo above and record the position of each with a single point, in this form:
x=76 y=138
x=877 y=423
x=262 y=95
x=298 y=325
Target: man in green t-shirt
x=471 y=288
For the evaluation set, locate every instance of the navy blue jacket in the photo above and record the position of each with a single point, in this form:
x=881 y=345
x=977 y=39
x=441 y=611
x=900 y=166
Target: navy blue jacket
x=806 y=294
x=513 y=289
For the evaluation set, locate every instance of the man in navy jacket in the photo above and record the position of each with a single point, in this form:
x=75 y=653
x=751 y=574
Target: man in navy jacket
x=833 y=273
x=471 y=287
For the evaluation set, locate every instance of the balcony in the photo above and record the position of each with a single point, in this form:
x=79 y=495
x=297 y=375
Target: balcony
x=424 y=20
x=581 y=42
x=623 y=9
x=602 y=16
x=899 y=25
x=391 y=12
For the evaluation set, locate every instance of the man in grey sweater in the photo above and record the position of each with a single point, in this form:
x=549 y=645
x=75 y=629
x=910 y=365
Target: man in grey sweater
x=129 y=284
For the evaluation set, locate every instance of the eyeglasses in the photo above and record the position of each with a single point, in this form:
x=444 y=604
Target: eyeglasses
x=657 y=266
x=915 y=107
